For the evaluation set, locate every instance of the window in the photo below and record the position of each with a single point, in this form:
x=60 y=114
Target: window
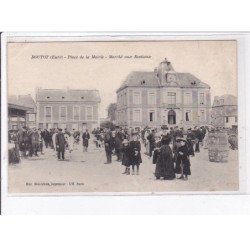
x=171 y=117
x=171 y=98
x=137 y=115
x=188 y=115
x=48 y=113
x=187 y=98
x=89 y=113
x=63 y=113
x=151 y=98
x=202 y=98
x=227 y=119
x=236 y=119
x=76 y=113
x=152 y=117
x=137 y=97
x=221 y=101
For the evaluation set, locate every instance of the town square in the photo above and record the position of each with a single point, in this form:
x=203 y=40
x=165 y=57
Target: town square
x=165 y=131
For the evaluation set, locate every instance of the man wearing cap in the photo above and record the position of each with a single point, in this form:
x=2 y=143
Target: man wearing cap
x=60 y=144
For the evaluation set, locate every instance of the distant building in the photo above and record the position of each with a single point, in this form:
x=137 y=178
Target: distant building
x=225 y=111
x=163 y=97
x=68 y=108
x=22 y=111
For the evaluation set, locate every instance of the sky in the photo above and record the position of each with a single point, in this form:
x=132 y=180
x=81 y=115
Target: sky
x=64 y=65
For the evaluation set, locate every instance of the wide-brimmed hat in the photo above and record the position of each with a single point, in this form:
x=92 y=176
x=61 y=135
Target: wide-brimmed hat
x=179 y=139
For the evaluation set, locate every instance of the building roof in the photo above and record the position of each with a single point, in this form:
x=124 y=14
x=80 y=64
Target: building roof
x=187 y=80
x=75 y=95
x=140 y=78
x=150 y=79
x=225 y=100
x=25 y=101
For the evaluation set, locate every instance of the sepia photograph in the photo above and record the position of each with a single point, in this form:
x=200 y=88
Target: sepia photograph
x=88 y=117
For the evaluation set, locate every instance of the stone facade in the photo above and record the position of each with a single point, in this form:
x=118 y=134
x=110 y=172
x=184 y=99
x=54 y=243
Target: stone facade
x=71 y=109
x=225 y=111
x=163 y=97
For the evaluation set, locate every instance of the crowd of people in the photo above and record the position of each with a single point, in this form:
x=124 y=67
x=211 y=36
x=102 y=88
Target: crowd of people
x=169 y=149
x=171 y=162
x=31 y=142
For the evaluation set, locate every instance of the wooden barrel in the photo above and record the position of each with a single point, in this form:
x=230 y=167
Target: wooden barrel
x=218 y=146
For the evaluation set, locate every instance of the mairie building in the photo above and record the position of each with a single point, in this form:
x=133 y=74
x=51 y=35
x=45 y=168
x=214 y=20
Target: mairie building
x=163 y=96
x=68 y=108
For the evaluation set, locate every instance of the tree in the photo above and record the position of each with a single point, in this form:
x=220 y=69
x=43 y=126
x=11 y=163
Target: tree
x=112 y=111
x=107 y=124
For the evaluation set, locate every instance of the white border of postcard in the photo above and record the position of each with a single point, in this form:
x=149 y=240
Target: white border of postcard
x=149 y=202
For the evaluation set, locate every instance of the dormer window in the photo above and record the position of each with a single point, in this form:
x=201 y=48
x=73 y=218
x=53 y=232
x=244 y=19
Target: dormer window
x=143 y=82
x=48 y=97
x=82 y=97
x=63 y=97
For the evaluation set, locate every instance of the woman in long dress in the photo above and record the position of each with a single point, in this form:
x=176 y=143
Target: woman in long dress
x=164 y=161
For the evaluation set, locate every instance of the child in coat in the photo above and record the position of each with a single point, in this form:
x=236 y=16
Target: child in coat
x=126 y=156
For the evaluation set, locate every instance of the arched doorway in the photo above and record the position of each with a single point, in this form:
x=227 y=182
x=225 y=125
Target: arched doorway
x=171 y=117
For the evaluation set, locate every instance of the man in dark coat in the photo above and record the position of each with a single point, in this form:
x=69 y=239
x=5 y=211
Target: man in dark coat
x=190 y=141
x=45 y=136
x=51 y=132
x=60 y=144
x=23 y=141
x=182 y=161
x=108 y=142
x=135 y=147
x=198 y=139
x=85 y=140
x=151 y=139
x=34 y=142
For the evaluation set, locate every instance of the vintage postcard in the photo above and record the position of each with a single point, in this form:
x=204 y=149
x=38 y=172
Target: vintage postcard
x=121 y=116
